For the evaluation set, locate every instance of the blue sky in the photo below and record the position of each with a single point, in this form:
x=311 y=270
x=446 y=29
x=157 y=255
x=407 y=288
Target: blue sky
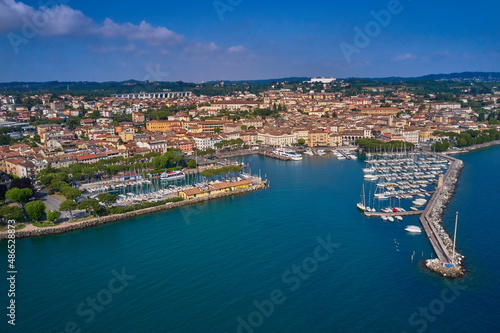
x=193 y=41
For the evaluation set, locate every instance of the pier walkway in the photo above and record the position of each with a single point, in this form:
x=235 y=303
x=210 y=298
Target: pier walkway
x=344 y=154
x=269 y=154
x=380 y=214
x=425 y=219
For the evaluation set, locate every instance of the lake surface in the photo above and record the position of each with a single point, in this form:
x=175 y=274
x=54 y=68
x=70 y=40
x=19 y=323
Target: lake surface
x=297 y=257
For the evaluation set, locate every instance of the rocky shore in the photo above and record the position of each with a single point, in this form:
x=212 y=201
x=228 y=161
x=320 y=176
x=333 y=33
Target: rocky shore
x=473 y=147
x=67 y=227
x=435 y=214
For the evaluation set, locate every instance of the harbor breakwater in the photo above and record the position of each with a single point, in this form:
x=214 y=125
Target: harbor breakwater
x=431 y=220
x=68 y=227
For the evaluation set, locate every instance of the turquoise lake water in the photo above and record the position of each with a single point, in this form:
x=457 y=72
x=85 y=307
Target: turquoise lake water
x=258 y=263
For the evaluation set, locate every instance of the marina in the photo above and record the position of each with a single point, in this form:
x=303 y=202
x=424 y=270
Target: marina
x=411 y=177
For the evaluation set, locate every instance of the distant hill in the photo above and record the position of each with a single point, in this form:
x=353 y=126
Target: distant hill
x=464 y=76
x=262 y=81
x=209 y=88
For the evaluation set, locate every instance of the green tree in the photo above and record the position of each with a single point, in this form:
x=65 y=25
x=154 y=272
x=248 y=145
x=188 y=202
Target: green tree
x=493 y=121
x=217 y=130
x=12 y=213
x=91 y=206
x=301 y=142
x=192 y=164
x=35 y=210
x=71 y=193
x=53 y=215
x=107 y=198
x=72 y=123
x=95 y=115
x=3 y=190
x=68 y=206
x=19 y=195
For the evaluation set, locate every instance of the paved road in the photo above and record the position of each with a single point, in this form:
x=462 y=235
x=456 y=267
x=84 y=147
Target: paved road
x=51 y=202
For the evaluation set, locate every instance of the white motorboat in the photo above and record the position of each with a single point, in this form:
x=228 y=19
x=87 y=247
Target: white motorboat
x=294 y=156
x=308 y=152
x=413 y=229
x=172 y=175
x=370 y=177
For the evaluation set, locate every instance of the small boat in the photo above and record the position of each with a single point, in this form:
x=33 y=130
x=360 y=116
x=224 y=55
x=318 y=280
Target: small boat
x=384 y=218
x=289 y=153
x=399 y=218
x=361 y=205
x=309 y=152
x=413 y=229
x=390 y=218
x=172 y=175
x=320 y=152
x=370 y=177
x=414 y=208
x=419 y=202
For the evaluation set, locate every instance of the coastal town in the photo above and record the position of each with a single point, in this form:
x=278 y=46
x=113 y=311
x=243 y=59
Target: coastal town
x=134 y=137
x=249 y=166
x=73 y=161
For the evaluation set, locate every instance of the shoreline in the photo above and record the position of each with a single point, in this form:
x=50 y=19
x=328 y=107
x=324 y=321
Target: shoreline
x=33 y=231
x=468 y=149
x=431 y=220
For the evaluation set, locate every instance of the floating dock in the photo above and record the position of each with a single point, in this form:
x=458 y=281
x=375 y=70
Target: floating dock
x=279 y=157
x=380 y=214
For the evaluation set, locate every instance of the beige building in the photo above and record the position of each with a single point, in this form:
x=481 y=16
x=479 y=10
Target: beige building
x=276 y=138
x=318 y=138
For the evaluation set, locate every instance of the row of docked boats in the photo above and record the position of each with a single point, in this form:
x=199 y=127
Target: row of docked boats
x=116 y=186
x=401 y=176
x=294 y=156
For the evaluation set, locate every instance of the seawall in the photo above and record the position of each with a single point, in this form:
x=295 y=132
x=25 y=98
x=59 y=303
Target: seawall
x=431 y=218
x=68 y=227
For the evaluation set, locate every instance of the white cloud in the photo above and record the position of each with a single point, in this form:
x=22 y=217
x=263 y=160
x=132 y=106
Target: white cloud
x=109 y=49
x=62 y=20
x=156 y=36
x=104 y=37
x=405 y=57
x=11 y=14
x=59 y=20
x=236 y=49
x=198 y=48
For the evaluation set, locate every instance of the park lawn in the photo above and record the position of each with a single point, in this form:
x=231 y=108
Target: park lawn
x=43 y=224
x=82 y=219
x=19 y=227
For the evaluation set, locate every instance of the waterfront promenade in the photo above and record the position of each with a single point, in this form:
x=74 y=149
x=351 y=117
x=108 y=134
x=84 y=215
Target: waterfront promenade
x=439 y=239
x=32 y=231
